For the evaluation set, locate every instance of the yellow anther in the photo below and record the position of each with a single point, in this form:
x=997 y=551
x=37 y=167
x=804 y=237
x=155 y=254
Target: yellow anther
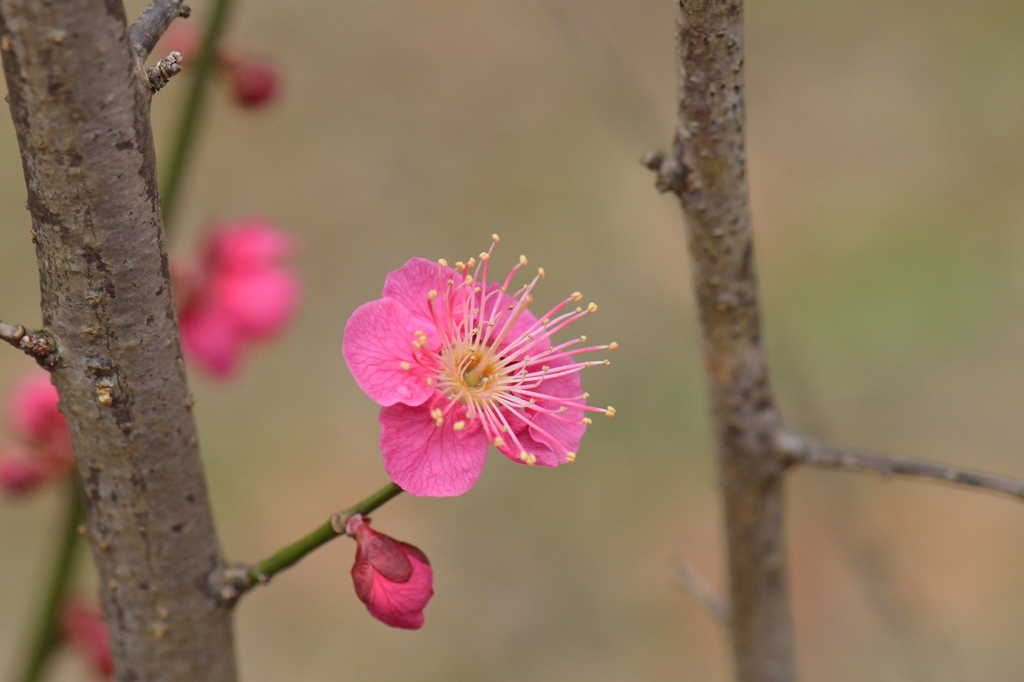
x=522 y=260
x=430 y=381
x=406 y=366
x=438 y=416
x=588 y=421
x=563 y=408
x=527 y=458
x=610 y=411
x=431 y=295
x=528 y=299
x=459 y=265
x=613 y=346
x=540 y=271
x=499 y=442
x=485 y=256
x=586 y=395
x=471 y=263
x=458 y=426
x=442 y=262
x=607 y=362
x=570 y=457
x=579 y=310
x=496 y=238
x=583 y=337
x=592 y=308
x=469 y=279
x=576 y=296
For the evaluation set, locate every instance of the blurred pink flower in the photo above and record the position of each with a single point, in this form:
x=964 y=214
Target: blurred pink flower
x=43 y=452
x=254 y=82
x=392 y=578
x=84 y=630
x=458 y=363
x=238 y=292
x=181 y=36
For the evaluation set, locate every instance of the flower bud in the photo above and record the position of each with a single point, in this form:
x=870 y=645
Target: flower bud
x=84 y=630
x=254 y=82
x=19 y=474
x=392 y=578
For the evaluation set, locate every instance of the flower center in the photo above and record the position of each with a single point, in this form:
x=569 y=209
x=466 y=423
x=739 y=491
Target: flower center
x=470 y=373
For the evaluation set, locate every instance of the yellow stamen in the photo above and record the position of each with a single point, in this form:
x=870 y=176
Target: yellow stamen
x=588 y=420
x=431 y=295
x=522 y=260
x=613 y=346
x=570 y=457
x=458 y=426
x=406 y=366
x=499 y=442
x=442 y=262
x=592 y=308
x=610 y=411
x=576 y=296
x=496 y=238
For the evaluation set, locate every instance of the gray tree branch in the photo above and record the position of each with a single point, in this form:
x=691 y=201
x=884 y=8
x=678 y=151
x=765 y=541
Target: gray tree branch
x=707 y=171
x=694 y=585
x=799 y=450
x=151 y=24
x=80 y=103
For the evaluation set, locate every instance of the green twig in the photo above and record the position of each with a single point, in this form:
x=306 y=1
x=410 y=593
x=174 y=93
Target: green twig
x=202 y=69
x=240 y=579
x=334 y=527
x=47 y=628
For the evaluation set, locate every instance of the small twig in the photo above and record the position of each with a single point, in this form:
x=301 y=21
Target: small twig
x=151 y=24
x=234 y=581
x=38 y=344
x=798 y=450
x=165 y=69
x=701 y=592
x=201 y=70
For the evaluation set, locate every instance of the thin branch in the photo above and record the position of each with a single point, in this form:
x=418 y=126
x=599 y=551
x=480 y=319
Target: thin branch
x=38 y=344
x=151 y=24
x=200 y=70
x=240 y=578
x=798 y=450
x=701 y=592
x=46 y=635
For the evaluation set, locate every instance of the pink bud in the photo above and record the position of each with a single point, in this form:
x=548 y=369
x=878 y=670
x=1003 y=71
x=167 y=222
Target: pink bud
x=85 y=631
x=181 y=37
x=20 y=474
x=392 y=578
x=254 y=82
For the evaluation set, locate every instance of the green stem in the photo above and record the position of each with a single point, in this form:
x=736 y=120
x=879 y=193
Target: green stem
x=47 y=633
x=294 y=552
x=202 y=69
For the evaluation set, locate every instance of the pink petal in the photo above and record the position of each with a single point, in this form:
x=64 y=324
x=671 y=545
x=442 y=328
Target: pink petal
x=428 y=460
x=410 y=285
x=33 y=411
x=211 y=340
x=261 y=303
x=401 y=605
x=249 y=243
x=378 y=339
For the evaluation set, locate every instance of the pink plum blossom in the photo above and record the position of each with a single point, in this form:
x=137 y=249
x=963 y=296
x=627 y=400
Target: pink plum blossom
x=43 y=451
x=392 y=578
x=238 y=292
x=459 y=363
x=85 y=631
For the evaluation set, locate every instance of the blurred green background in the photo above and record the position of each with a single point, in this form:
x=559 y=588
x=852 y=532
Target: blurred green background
x=887 y=170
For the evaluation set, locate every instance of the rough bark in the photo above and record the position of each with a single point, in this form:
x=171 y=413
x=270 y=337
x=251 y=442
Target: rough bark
x=80 y=103
x=707 y=170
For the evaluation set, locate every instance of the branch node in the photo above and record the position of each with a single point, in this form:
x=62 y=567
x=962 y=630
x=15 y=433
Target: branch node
x=38 y=344
x=669 y=174
x=231 y=582
x=160 y=73
x=701 y=592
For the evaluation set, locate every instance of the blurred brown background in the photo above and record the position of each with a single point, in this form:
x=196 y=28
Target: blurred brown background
x=887 y=168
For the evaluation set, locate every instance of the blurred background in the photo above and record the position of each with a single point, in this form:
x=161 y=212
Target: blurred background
x=887 y=168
